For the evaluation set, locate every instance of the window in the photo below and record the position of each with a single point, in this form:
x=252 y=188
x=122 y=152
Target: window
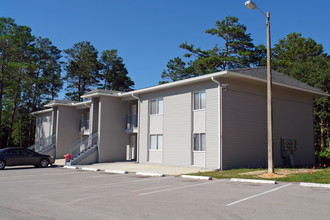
x=199 y=100
x=156 y=142
x=156 y=106
x=199 y=142
x=27 y=152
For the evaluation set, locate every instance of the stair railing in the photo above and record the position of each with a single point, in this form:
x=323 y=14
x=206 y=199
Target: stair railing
x=82 y=145
x=43 y=143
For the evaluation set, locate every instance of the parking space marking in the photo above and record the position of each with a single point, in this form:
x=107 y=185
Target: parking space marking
x=69 y=180
x=125 y=182
x=81 y=199
x=182 y=187
x=4 y=177
x=144 y=189
x=260 y=194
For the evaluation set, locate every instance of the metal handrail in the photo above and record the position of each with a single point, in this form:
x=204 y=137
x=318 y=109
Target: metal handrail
x=43 y=143
x=84 y=125
x=82 y=145
x=131 y=121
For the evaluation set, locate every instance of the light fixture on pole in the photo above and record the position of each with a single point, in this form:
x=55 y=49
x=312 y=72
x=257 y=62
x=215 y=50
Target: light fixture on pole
x=252 y=5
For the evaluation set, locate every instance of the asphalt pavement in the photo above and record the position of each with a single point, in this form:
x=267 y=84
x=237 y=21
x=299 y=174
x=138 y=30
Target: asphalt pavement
x=58 y=193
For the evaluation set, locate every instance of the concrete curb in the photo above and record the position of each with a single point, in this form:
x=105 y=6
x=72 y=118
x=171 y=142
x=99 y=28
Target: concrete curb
x=90 y=169
x=150 y=174
x=322 y=185
x=253 y=181
x=196 y=177
x=70 y=167
x=116 y=171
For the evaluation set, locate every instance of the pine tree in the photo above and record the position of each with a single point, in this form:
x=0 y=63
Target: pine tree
x=82 y=70
x=114 y=72
x=237 y=52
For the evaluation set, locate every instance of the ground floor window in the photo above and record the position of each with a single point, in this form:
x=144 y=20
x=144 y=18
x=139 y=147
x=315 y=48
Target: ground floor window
x=199 y=142
x=156 y=141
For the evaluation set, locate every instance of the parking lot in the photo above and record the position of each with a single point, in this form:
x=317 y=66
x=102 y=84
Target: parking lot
x=58 y=193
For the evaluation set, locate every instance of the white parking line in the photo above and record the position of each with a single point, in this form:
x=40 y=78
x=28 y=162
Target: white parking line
x=144 y=189
x=120 y=183
x=59 y=174
x=79 y=200
x=269 y=191
x=182 y=187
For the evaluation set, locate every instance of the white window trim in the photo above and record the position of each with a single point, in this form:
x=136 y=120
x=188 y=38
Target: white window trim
x=199 y=100
x=157 y=106
x=149 y=148
x=200 y=143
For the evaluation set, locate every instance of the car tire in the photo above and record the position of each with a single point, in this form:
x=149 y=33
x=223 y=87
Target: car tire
x=44 y=162
x=2 y=164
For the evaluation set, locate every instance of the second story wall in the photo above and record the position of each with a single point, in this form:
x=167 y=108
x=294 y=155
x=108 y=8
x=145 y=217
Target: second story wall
x=177 y=124
x=111 y=127
x=68 y=131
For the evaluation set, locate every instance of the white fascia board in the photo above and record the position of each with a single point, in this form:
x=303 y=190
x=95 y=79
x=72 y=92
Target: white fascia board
x=174 y=84
x=276 y=83
x=57 y=104
x=42 y=111
x=68 y=104
x=98 y=94
x=82 y=103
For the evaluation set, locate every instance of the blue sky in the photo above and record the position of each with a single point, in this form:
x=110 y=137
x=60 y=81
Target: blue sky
x=147 y=33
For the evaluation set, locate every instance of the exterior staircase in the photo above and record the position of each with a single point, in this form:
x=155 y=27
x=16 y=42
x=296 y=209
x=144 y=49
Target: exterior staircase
x=45 y=146
x=85 y=151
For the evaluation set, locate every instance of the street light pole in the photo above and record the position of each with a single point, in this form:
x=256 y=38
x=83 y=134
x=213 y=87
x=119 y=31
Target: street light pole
x=252 y=5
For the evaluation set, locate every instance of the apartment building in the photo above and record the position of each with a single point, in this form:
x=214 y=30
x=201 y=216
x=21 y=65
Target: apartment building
x=216 y=121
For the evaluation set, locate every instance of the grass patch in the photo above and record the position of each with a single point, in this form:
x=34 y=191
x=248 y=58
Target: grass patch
x=287 y=175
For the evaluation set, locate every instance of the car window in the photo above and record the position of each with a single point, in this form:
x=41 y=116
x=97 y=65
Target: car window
x=25 y=152
x=12 y=151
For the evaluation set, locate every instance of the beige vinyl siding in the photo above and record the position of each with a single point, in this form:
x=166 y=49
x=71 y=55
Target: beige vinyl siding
x=178 y=124
x=245 y=124
x=177 y=130
x=199 y=121
x=293 y=119
x=244 y=130
x=112 y=124
x=67 y=128
x=156 y=124
x=143 y=138
x=212 y=128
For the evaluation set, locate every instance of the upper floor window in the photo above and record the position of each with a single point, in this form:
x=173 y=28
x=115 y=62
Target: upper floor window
x=199 y=100
x=156 y=106
x=199 y=142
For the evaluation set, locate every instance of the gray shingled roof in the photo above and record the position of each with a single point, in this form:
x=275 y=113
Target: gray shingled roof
x=261 y=73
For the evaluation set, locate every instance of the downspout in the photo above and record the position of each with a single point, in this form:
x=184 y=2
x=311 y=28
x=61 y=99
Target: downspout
x=219 y=123
x=138 y=133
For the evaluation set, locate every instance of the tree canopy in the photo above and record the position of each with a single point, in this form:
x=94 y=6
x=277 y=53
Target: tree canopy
x=114 y=72
x=82 y=70
x=237 y=51
x=29 y=76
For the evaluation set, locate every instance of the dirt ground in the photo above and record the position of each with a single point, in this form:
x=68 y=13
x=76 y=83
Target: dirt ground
x=279 y=173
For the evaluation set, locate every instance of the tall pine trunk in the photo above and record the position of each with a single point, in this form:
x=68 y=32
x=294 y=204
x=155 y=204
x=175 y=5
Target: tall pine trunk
x=322 y=133
x=13 y=114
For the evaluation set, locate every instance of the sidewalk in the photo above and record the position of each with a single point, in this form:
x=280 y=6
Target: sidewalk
x=134 y=167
